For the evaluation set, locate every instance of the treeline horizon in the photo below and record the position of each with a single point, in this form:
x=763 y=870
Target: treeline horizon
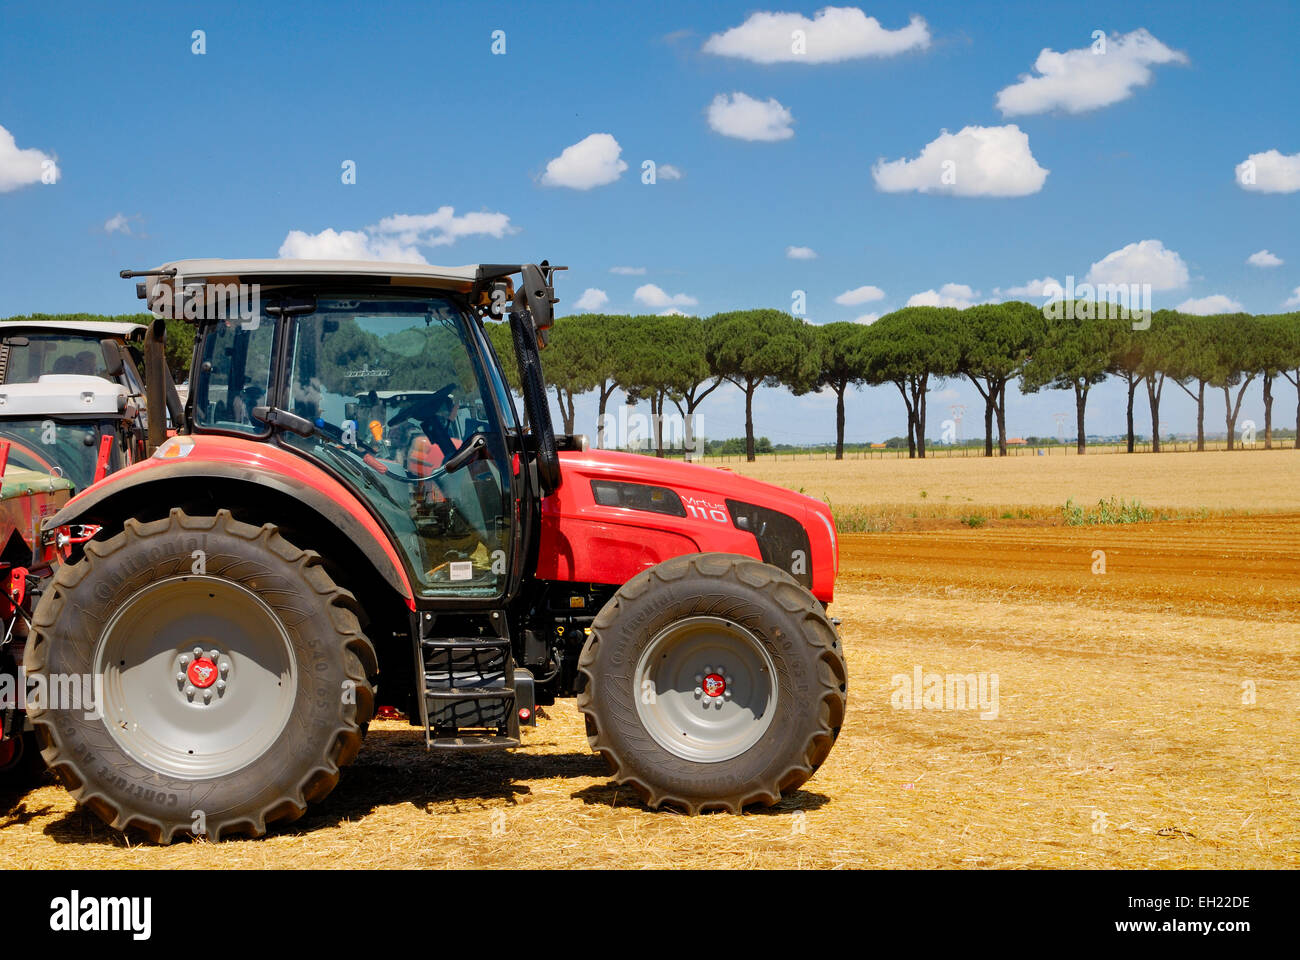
x=680 y=360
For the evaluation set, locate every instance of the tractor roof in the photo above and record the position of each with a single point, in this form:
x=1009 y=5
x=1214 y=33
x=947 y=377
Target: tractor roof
x=104 y=330
x=289 y=270
x=63 y=395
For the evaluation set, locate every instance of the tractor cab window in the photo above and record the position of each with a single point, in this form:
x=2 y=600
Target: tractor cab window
x=236 y=368
x=33 y=355
x=403 y=411
x=62 y=448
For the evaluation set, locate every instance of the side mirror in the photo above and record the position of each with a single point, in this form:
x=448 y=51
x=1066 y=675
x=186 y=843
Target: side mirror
x=537 y=293
x=112 y=351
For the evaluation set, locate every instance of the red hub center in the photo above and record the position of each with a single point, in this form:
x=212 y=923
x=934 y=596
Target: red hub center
x=202 y=672
x=714 y=685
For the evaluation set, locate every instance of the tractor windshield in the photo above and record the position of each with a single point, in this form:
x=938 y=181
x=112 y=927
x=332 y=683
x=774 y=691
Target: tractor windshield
x=402 y=404
x=62 y=448
x=33 y=355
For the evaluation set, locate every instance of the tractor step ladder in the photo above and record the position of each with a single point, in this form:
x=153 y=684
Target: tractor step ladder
x=469 y=693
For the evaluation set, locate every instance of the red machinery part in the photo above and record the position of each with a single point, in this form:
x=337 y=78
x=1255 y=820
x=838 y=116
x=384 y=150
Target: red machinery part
x=584 y=541
x=105 y=451
x=15 y=591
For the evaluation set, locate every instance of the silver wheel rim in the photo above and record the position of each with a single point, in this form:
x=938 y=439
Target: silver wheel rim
x=164 y=643
x=678 y=697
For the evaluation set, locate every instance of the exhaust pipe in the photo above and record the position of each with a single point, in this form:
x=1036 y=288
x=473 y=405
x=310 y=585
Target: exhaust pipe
x=155 y=384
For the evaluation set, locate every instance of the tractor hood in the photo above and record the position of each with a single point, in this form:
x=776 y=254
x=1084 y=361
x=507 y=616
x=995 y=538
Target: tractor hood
x=715 y=481
x=617 y=513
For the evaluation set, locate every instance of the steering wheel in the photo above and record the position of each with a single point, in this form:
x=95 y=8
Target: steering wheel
x=424 y=410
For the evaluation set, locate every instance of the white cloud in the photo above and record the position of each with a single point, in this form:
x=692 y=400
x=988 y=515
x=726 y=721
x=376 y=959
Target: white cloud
x=396 y=238
x=1215 y=303
x=834 y=34
x=801 y=253
x=591 y=162
x=1080 y=80
x=741 y=116
x=673 y=312
x=628 y=271
x=21 y=168
x=1262 y=258
x=592 y=299
x=859 y=295
x=957 y=295
x=653 y=296
x=1144 y=262
x=1268 y=172
x=1046 y=287
x=443 y=227
x=118 y=223
x=330 y=244
x=1294 y=299
x=975 y=162
x=667 y=171
x=867 y=318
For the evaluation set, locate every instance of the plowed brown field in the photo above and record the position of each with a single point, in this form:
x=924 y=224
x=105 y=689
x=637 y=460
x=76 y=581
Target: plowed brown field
x=1147 y=716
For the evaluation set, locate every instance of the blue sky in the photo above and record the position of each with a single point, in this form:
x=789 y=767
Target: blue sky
x=163 y=154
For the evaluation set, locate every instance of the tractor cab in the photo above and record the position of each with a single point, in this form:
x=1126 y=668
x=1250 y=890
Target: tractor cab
x=393 y=394
x=32 y=349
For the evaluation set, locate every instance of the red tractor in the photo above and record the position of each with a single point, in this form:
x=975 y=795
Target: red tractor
x=354 y=509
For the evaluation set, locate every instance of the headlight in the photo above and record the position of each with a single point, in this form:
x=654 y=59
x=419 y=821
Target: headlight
x=637 y=496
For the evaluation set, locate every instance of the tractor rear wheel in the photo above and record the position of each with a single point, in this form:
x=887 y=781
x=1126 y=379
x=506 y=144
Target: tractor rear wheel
x=713 y=681
x=231 y=678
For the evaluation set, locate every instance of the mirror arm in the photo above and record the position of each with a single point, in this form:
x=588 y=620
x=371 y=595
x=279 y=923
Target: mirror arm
x=471 y=451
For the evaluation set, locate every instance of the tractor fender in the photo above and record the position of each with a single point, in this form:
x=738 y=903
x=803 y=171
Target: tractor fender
x=148 y=481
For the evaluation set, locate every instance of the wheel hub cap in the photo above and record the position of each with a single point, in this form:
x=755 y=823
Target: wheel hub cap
x=202 y=673
x=706 y=689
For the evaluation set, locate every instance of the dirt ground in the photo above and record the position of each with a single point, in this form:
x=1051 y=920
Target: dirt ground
x=1146 y=716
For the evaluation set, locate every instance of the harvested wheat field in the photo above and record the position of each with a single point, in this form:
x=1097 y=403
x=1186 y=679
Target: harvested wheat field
x=1146 y=716
x=1216 y=481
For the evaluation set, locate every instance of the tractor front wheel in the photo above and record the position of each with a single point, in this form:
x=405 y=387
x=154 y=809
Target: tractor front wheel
x=223 y=677
x=712 y=681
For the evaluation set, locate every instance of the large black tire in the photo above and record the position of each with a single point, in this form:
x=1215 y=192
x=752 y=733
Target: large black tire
x=291 y=757
x=752 y=600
